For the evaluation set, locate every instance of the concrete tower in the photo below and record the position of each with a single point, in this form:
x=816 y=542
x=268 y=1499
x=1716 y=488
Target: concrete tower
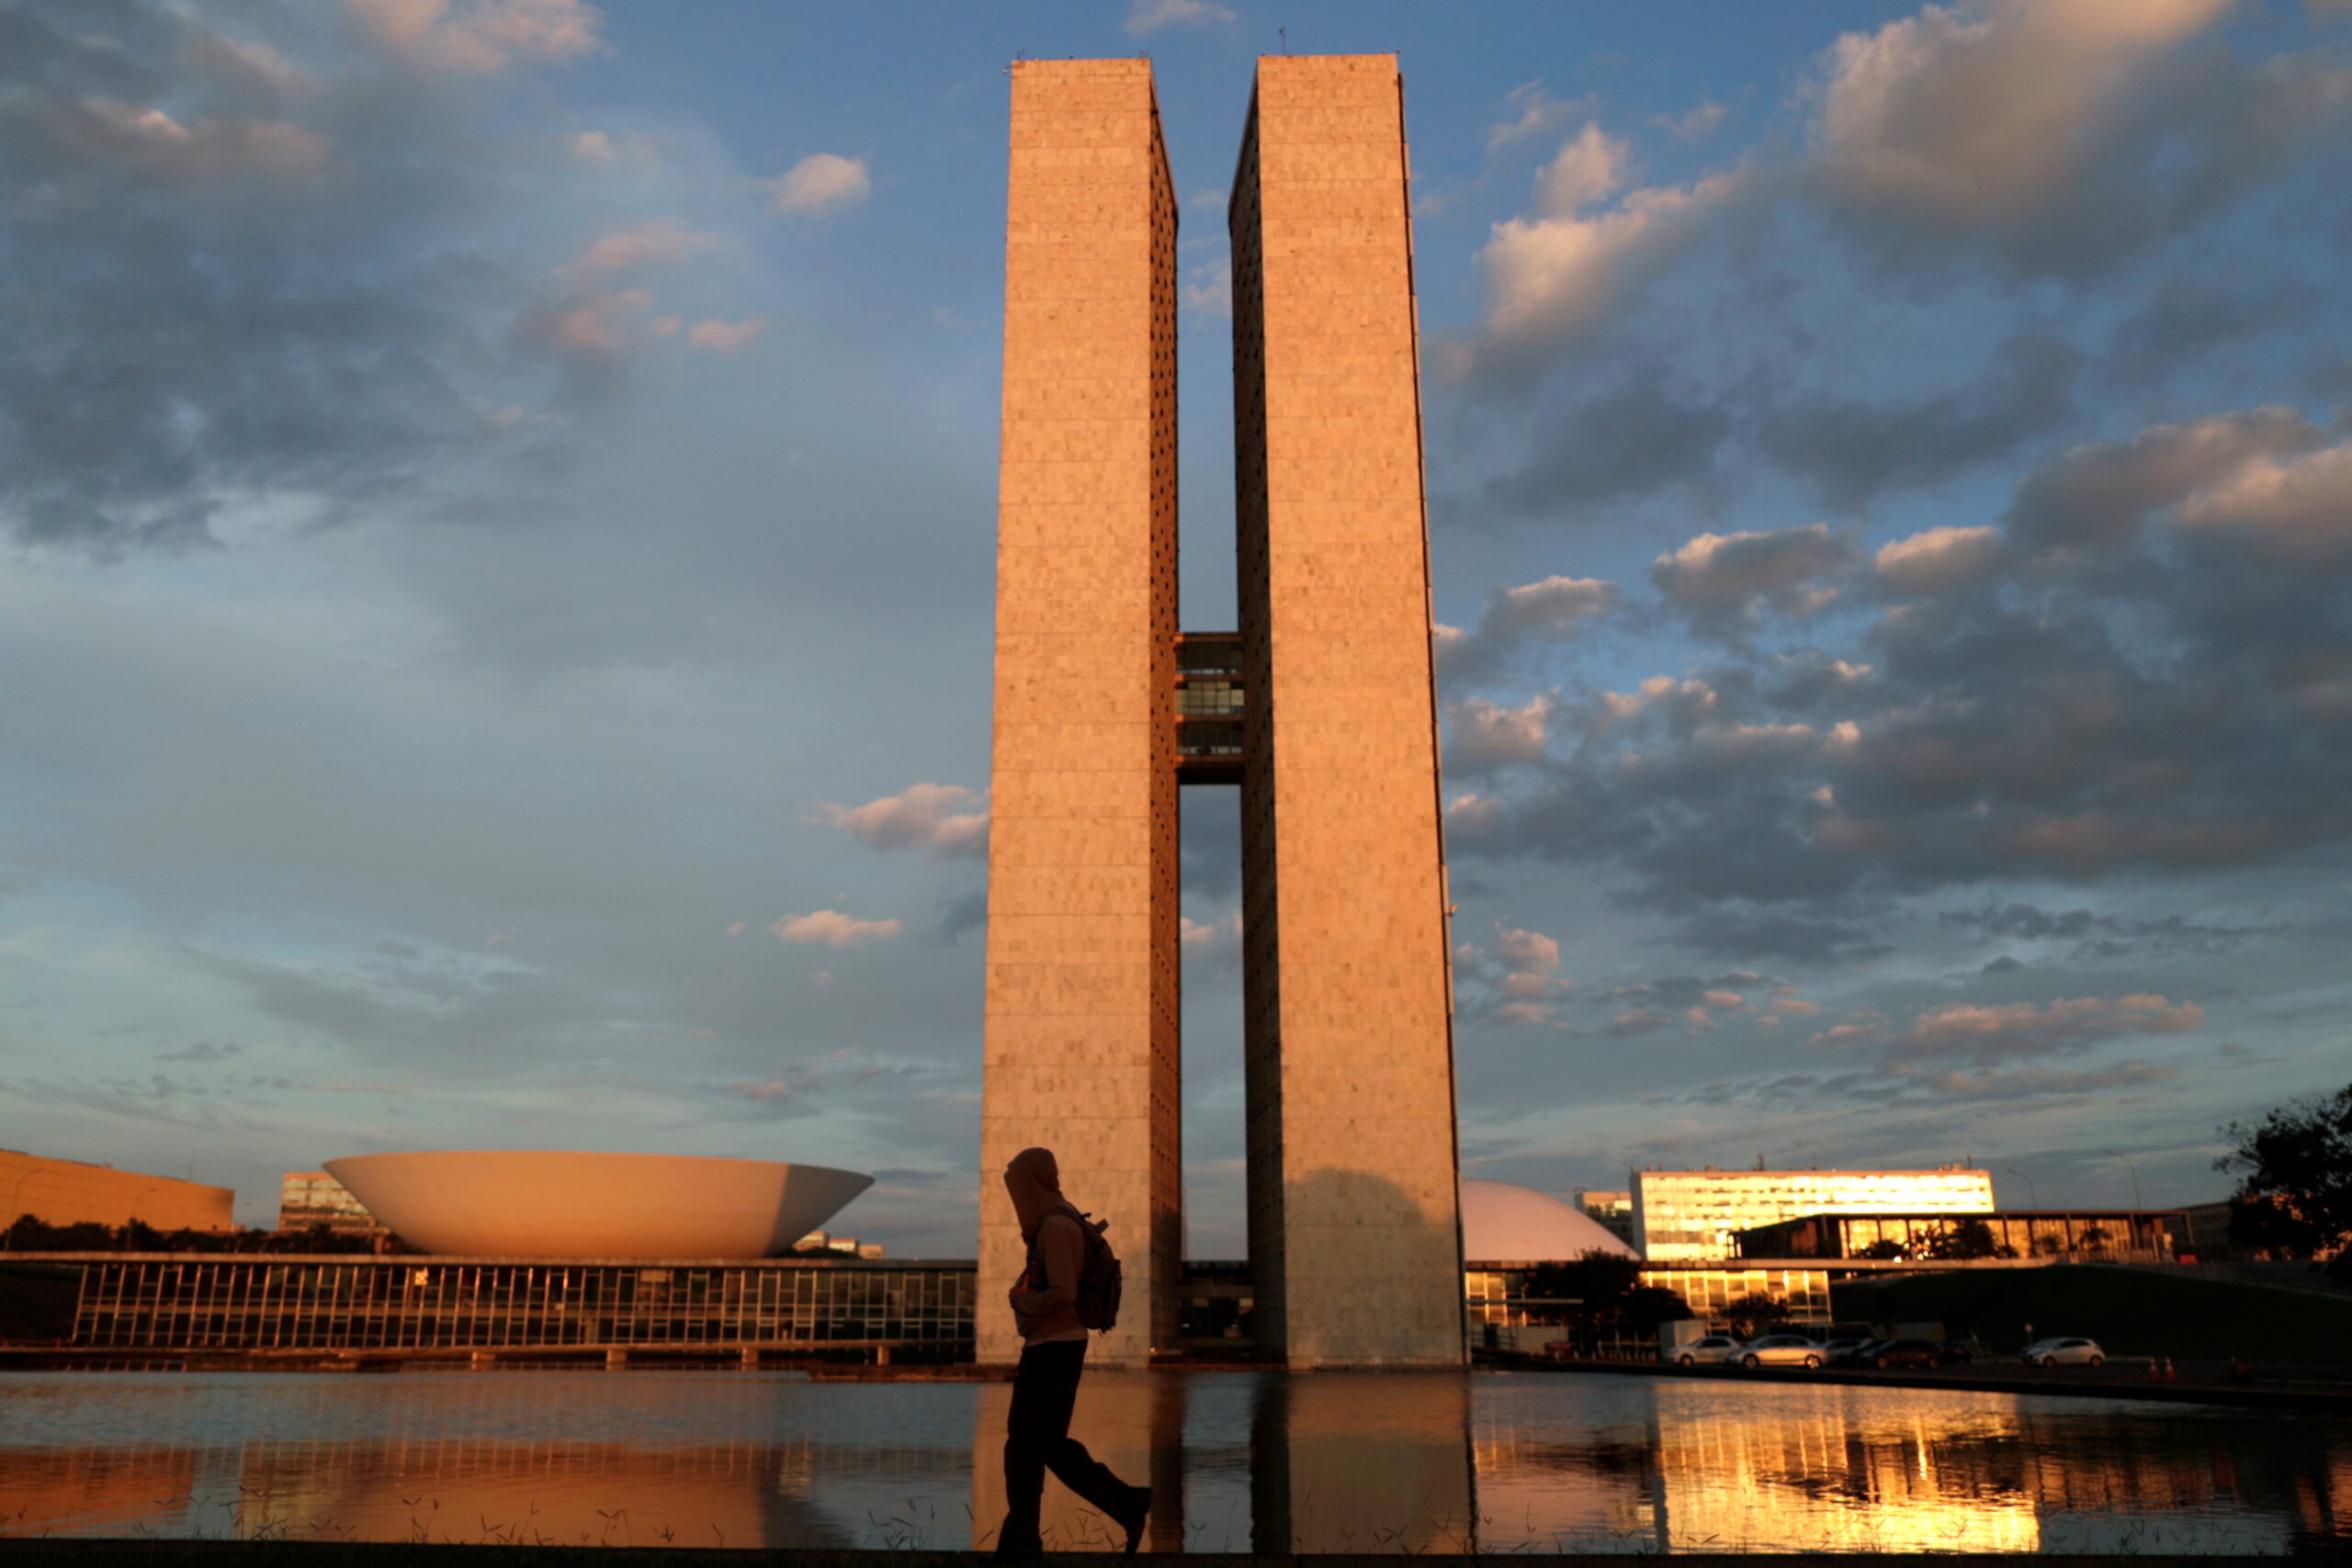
x=1103 y=710
x=1355 y=1239
x=1081 y=1022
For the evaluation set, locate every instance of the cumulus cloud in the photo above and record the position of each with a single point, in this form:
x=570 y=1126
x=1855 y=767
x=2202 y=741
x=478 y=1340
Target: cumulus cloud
x=831 y=927
x=1536 y=113
x=484 y=37
x=1589 y=169
x=820 y=184
x=1990 y=1035
x=1515 y=976
x=1552 y=276
x=2099 y=495
x=2297 y=511
x=1150 y=16
x=1939 y=559
x=640 y=247
x=718 y=336
x=1977 y=114
x=945 y=819
x=1486 y=736
x=1721 y=582
x=1515 y=620
x=2115 y=130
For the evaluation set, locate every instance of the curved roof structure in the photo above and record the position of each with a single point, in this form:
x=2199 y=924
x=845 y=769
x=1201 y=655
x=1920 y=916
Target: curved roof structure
x=545 y=1203
x=1503 y=1224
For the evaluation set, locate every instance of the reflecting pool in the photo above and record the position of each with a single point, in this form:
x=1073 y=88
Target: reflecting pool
x=1427 y=1462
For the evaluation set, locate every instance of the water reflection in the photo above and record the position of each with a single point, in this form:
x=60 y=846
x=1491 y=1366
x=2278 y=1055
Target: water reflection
x=1397 y=1463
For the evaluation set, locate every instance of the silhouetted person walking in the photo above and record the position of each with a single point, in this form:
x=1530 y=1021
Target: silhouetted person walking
x=1053 y=1355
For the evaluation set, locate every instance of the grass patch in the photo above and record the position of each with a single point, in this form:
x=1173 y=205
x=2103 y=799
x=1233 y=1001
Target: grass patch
x=2131 y=1312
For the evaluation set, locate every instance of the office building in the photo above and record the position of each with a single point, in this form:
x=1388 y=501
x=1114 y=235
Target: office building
x=1692 y=1215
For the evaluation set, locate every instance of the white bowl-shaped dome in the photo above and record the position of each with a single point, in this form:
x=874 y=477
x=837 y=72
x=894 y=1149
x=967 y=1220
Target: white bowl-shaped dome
x=543 y=1203
x=1503 y=1224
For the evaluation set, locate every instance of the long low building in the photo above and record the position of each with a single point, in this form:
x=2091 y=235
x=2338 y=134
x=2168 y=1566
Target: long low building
x=71 y=1192
x=184 y=1303
x=2137 y=1235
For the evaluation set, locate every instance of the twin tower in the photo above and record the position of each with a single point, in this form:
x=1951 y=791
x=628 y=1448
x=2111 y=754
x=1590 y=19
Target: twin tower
x=1320 y=708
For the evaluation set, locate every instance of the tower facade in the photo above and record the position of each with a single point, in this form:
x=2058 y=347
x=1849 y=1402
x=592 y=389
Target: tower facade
x=1082 y=952
x=1321 y=709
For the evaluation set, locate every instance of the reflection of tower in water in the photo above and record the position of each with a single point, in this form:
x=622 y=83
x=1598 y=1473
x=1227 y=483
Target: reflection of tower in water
x=1332 y=1464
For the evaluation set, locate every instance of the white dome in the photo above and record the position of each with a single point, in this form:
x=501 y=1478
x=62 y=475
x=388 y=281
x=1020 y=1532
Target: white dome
x=543 y=1203
x=1503 y=1224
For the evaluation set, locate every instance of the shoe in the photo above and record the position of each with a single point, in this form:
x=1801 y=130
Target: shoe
x=1132 y=1517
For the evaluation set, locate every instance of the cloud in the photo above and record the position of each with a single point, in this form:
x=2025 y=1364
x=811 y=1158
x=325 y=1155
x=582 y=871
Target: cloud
x=923 y=816
x=202 y=1051
x=820 y=184
x=831 y=927
x=484 y=36
x=1539 y=113
x=2098 y=496
x=1515 y=978
x=1150 y=16
x=1590 y=167
x=640 y=247
x=717 y=336
x=1856 y=450
x=1697 y=123
x=1486 y=736
x=1632 y=438
x=1989 y=1035
x=2117 y=128
x=1972 y=115
x=1939 y=559
x=2297 y=511
x=1553 y=275
x=2034 y=1082
x=1208 y=287
x=1515 y=620
x=1721 y=582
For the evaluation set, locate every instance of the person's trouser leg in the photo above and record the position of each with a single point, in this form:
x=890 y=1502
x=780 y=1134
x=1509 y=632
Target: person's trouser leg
x=1037 y=1439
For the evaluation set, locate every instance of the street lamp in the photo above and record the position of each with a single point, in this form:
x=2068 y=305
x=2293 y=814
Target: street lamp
x=2127 y=1159
x=2033 y=1194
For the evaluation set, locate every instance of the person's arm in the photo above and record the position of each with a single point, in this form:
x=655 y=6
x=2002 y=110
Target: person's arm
x=1062 y=1250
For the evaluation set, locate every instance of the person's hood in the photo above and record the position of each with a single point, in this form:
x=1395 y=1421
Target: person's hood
x=1036 y=1183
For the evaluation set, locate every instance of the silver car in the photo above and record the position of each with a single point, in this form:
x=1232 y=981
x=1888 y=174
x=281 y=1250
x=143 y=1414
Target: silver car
x=1716 y=1348
x=2071 y=1351
x=1784 y=1350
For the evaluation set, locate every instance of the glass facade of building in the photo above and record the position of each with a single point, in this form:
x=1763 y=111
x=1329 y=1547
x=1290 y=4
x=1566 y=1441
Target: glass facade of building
x=1692 y=1215
x=308 y=1198
x=2105 y=1235
x=163 y=1302
x=1495 y=1297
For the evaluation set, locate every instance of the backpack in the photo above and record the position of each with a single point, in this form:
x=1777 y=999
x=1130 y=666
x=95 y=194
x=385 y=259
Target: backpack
x=1100 y=1280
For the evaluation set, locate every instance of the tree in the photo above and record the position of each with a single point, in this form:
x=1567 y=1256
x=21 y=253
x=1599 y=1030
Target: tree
x=1750 y=1314
x=1885 y=1249
x=2294 y=1170
x=1969 y=1238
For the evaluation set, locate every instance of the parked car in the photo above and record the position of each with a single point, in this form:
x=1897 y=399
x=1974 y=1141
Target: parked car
x=1782 y=1350
x=1840 y=1352
x=1890 y=1353
x=2065 y=1352
x=1956 y=1352
x=1717 y=1348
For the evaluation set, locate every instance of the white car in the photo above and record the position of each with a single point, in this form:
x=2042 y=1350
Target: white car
x=2066 y=1352
x=1717 y=1348
x=1784 y=1350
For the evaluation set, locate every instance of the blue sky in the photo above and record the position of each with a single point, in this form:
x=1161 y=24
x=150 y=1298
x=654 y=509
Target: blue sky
x=496 y=509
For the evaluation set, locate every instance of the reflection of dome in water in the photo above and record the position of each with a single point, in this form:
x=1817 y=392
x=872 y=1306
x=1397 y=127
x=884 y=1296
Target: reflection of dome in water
x=544 y=1203
x=1503 y=1224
